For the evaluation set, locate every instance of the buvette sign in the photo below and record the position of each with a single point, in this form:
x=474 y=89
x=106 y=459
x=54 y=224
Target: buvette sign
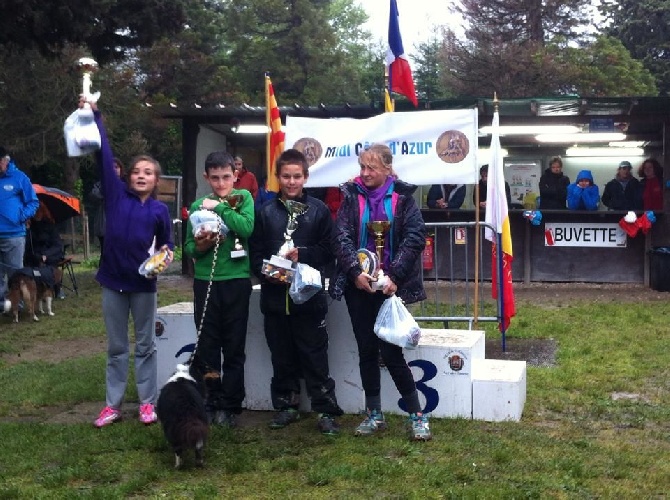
x=558 y=234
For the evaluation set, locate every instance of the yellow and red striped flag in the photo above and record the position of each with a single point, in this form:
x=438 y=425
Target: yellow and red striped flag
x=497 y=215
x=274 y=145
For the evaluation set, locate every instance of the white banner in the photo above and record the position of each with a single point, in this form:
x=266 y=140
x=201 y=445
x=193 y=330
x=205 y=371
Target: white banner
x=429 y=147
x=584 y=235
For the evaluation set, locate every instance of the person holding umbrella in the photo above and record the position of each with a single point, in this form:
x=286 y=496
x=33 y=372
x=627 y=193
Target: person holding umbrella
x=18 y=203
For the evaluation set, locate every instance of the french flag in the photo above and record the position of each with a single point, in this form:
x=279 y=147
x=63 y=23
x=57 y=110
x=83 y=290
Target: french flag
x=400 y=74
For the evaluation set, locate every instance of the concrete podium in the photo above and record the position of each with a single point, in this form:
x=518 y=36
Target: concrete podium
x=442 y=364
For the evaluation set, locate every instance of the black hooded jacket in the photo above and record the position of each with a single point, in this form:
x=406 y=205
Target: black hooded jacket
x=553 y=190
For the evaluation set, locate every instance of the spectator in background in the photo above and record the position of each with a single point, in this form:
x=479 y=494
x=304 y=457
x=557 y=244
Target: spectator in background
x=483 y=185
x=331 y=196
x=554 y=186
x=43 y=243
x=96 y=196
x=44 y=247
x=446 y=196
x=18 y=203
x=651 y=174
x=624 y=191
x=245 y=179
x=583 y=194
x=263 y=193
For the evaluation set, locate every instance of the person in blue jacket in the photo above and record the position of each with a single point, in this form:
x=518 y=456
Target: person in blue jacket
x=137 y=225
x=18 y=203
x=583 y=194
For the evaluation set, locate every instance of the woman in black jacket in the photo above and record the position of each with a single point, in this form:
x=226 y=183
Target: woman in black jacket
x=377 y=195
x=554 y=186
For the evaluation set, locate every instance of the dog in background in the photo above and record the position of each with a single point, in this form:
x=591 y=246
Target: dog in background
x=36 y=287
x=182 y=414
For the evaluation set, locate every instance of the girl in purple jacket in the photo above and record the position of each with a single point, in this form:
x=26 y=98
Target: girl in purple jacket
x=137 y=225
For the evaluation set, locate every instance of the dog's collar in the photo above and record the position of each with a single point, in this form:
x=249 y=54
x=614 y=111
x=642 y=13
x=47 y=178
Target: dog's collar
x=180 y=375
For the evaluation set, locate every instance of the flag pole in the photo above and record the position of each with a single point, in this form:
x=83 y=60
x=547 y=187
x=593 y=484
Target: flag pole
x=268 y=121
x=477 y=253
x=499 y=259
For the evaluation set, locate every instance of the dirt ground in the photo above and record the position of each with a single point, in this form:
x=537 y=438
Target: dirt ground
x=537 y=352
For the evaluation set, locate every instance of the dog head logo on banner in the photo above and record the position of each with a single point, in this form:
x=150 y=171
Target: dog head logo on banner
x=452 y=146
x=311 y=148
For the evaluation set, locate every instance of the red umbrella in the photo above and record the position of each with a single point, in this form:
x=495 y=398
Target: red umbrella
x=62 y=205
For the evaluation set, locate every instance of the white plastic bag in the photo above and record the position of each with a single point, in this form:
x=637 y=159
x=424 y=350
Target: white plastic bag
x=306 y=283
x=206 y=221
x=81 y=133
x=396 y=325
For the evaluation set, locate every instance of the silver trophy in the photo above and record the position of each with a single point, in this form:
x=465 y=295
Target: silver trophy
x=238 y=250
x=88 y=66
x=279 y=266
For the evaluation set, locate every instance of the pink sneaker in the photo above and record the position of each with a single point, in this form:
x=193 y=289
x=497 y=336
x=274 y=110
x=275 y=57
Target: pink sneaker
x=107 y=416
x=148 y=414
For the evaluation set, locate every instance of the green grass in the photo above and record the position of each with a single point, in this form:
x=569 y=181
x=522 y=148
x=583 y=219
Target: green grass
x=574 y=440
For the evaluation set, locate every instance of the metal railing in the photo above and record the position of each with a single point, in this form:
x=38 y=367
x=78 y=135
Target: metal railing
x=453 y=293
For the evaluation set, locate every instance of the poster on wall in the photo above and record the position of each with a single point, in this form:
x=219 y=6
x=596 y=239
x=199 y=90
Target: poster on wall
x=523 y=178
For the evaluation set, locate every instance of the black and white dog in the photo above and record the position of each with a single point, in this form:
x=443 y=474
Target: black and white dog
x=181 y=411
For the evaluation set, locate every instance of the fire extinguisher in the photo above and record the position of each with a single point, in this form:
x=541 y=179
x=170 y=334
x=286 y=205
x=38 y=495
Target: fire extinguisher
x=427 y=256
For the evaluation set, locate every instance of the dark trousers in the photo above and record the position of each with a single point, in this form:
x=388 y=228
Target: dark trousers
x=363 y=308
x=299 y=348
x=224 y=331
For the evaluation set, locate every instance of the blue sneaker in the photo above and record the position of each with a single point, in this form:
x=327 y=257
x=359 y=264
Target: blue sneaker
x=374 y=421
x=419 y=427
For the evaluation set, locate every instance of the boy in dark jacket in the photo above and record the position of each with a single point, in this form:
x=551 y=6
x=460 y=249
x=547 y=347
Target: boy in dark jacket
x=296 y=333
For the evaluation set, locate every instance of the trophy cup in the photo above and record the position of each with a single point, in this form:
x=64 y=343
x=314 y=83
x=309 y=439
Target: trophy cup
x=379 y=228
x=88 y=66
x=81 y=133
x=279 y=266
x=238 y=250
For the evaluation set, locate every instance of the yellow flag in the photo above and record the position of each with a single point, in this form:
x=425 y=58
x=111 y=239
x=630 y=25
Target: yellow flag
x=388 y=103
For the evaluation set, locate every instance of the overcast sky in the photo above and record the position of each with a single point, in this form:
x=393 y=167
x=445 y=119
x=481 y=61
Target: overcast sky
x=416 y=19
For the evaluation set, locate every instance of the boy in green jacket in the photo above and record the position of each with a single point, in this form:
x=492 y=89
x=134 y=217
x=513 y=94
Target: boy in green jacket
x=224 y=301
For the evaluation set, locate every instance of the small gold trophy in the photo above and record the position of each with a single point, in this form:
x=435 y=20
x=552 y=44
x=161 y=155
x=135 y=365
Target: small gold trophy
x=238 y=250
x=380 y=228
x=279 y=266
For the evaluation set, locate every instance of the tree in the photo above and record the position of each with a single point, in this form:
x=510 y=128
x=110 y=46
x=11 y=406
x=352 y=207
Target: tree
x=643 y=26
x=428 y=70
x=603 y=68
x=107 y=28
x=300 y=43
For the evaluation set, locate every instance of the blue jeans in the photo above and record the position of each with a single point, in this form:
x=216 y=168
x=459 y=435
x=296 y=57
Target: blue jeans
x=11 y=259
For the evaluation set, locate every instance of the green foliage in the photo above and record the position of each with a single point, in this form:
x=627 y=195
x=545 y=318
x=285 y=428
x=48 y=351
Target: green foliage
x=107 y=28
x=603 y=68
x=642 y=27
x=428 y=70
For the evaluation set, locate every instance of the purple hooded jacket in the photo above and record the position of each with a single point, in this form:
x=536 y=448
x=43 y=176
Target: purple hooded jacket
x=130 y=227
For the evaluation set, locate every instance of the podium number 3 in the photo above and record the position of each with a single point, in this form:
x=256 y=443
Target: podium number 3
x=429 y=371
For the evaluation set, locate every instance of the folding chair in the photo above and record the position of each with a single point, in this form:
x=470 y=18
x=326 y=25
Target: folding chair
x=65 y=266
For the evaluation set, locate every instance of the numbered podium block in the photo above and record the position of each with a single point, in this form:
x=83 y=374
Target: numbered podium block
x=175 y=338
x=442 y=368
x=441 y=364
x=498 y=390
